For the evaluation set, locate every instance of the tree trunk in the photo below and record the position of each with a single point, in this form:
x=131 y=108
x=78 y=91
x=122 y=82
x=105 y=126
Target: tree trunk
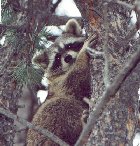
x=116 y=126
x=10 y=92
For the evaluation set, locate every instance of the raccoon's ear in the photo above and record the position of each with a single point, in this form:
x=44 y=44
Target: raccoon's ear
x=40 y=59
x=72 y=26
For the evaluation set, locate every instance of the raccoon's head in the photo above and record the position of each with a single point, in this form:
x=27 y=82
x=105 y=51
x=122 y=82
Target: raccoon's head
x=60 y=56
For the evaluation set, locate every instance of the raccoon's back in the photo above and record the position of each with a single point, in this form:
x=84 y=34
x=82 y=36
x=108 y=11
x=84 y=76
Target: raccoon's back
x=61 y=116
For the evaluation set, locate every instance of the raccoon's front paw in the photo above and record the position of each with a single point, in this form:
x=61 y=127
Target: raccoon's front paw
x=91 y=44
x=84 y=117
x=95 y=54
x=91 y=41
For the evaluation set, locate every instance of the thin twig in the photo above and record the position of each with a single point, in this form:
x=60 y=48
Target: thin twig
x=107 y=95
x=105 y=47
x=45 y=132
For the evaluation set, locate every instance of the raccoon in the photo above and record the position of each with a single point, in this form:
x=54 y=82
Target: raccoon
x=66 y=66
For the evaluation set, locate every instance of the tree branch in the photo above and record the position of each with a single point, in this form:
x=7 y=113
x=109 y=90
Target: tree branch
x=31 y=126
x=122 y=3
x=107 y=95
x=105 y=47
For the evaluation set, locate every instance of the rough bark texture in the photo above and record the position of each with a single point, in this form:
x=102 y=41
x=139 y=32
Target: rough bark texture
x=90 y=16
x=118 y=122
x=9 y=95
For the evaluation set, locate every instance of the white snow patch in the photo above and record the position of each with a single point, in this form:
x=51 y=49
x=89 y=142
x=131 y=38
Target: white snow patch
x=54 y=1
x=45 y=42
x=133 y=22
x=136 y=140
x=139 y=93
x=2 y=41
x=67 y=8
x=42 y=94
x=54 y=30
x=133 y=17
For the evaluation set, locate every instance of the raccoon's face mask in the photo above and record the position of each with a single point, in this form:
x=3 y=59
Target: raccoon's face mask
x=60 y=56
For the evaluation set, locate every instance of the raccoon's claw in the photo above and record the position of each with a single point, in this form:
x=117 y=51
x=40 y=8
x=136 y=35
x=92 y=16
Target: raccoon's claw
x=92 y=40
x=95 y=54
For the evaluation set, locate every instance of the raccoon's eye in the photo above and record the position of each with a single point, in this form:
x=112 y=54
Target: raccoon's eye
x=57 y=61
x=74 y=46
x=58 y=56
x=69 y=46
x=68 y=58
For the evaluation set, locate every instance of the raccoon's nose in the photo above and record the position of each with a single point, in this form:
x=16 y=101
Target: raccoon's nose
x=68 y=58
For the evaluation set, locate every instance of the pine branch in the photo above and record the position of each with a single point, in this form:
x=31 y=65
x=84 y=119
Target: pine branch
x=9 y=26
x=31 y=126
x=6 y=63
x=107 y=95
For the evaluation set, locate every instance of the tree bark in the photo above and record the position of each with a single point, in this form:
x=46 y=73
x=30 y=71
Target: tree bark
x=10 y=92
x=116 y=126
